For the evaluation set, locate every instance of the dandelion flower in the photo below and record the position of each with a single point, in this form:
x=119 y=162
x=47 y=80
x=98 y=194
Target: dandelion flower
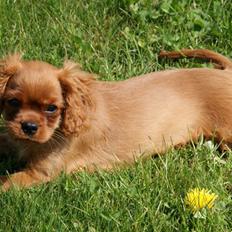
x=198 y=199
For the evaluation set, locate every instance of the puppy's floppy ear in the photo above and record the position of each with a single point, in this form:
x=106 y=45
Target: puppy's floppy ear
x=8 y=67
x=75 y=85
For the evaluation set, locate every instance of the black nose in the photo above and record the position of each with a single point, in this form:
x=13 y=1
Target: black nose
x=29 y=128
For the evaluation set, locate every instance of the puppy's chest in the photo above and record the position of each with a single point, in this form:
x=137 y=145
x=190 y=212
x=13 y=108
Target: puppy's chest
x=24 y=153
x=28 y=152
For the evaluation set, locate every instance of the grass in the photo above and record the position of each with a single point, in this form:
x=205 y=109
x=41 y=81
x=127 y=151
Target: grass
x=118 y=39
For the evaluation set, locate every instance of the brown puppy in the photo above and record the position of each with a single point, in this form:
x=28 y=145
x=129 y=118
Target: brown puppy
x=64 y=119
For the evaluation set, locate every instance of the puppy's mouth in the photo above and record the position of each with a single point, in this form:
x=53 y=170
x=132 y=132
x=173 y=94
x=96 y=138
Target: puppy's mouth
x=29 y=133
x=21 y=137
x=30 y=139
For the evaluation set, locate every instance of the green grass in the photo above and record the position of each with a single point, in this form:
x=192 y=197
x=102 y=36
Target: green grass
x=118 y=39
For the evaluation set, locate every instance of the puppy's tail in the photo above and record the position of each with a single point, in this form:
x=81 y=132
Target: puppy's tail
x=220 y=61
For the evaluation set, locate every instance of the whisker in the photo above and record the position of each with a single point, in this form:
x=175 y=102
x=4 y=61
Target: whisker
x=60 y=137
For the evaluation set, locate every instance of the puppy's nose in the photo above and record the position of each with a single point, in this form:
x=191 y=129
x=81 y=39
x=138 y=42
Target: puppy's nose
x=29 y=128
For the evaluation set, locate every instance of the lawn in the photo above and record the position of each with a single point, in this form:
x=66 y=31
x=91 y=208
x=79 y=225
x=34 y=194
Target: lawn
x=118 y=39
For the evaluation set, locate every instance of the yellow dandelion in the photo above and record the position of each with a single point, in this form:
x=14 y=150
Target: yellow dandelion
x=198 y=199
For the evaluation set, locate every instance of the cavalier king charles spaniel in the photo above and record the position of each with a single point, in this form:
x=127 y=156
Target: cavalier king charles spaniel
x=63 y=119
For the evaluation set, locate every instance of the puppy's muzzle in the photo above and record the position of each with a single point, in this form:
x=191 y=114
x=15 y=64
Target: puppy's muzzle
x=29 y=128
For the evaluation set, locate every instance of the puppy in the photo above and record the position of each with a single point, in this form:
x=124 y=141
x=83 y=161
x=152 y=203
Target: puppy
x=63 y=119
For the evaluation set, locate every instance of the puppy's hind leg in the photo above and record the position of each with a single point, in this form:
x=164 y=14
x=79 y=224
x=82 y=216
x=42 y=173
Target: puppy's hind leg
x=224 y=139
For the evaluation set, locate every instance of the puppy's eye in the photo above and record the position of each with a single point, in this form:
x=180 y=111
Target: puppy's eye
x=14 y=102
x=51 y=109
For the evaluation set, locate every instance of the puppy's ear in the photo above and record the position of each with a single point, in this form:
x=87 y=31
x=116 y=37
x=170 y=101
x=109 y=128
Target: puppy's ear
x=75 y=85
x=8 y=67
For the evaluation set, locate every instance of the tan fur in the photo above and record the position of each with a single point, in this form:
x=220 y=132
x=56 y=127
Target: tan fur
x=102 y=124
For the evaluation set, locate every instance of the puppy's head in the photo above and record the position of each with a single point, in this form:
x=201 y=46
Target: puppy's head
x=36 y=98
